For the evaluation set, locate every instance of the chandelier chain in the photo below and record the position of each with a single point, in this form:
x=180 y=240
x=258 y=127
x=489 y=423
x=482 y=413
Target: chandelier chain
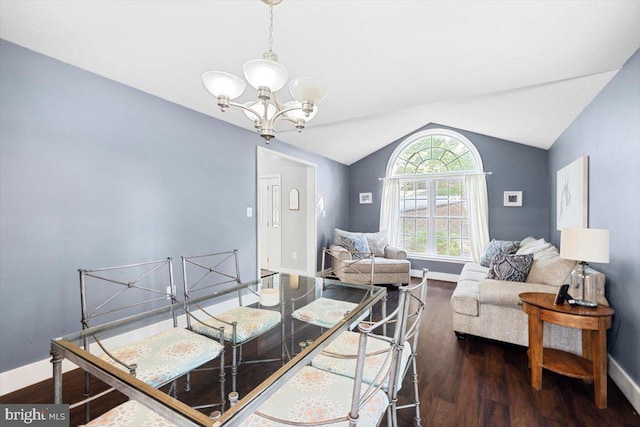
x=270 y=28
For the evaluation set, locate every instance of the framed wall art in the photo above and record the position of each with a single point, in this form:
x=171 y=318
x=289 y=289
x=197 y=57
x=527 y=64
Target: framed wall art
x=512 y=198
x=572 y=194
x=366 y=198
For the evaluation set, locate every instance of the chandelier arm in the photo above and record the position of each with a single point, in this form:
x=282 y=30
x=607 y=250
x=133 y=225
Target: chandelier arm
x=258 y=117
x=284 y=112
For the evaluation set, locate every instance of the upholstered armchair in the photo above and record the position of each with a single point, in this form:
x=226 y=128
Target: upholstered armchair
x=352 y=254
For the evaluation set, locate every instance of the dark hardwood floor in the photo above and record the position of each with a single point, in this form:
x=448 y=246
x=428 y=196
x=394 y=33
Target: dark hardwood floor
x=470 y=382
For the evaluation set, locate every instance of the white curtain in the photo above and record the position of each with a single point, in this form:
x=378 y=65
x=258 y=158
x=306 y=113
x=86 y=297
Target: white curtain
x=390 y=210
x=478 y=208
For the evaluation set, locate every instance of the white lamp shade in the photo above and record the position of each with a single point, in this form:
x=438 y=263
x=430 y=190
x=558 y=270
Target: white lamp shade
x=220 y=83
x=258 y=107
x=265 y=73
x=585 y=244
x=306 y=89
x=299 y=114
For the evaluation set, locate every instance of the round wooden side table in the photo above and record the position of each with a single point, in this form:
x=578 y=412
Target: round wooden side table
x=594 y=322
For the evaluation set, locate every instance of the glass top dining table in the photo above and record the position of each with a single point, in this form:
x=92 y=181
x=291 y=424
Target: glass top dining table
x=299 y=342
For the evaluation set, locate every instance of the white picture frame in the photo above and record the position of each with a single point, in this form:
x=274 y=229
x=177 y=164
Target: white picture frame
x=294 y=200
x=512 y=198
x=366 y=198
x=572 y=195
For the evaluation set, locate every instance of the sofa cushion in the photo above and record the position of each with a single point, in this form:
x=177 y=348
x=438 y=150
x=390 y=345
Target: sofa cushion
x=550 y=271
x=514 y=268
x=357 y=244
x=495 y=247
x=377 y=242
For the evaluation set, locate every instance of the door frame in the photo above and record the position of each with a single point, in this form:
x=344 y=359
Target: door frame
x=311 y=224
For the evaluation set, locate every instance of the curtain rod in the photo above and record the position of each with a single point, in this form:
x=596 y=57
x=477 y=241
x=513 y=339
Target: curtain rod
x=457 y=174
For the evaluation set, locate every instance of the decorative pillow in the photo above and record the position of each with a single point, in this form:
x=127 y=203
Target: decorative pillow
x=339 y=234
x=514 y=268
x=357 y=244
x=527 y=241
x=495 y=247
x=549 y=253
x=377 y=242
x=534 y=247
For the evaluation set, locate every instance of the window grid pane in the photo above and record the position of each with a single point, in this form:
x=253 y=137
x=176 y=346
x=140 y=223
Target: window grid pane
x=414 y=206
x=433 y=211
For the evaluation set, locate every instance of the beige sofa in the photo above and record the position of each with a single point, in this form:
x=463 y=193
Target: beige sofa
x=490 y=308
x=390 y=264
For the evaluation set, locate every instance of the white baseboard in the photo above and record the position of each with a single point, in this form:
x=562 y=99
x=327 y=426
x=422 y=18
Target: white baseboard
x=629 y=388
x=446 y=277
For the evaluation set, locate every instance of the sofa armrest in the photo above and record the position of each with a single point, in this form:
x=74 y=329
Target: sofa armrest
x=394 y=253
x=339 y=252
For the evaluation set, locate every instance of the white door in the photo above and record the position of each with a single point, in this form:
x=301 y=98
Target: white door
x=269 y=224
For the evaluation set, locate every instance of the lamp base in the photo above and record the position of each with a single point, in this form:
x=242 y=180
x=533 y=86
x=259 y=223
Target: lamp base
x=584 y=287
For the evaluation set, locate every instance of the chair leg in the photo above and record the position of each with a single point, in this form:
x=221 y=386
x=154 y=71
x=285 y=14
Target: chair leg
x=234 y=366
x=415 y=390
x=187 y=384
x=394 y=413
x=222 y=378
x=283 y=343
x=87 y=394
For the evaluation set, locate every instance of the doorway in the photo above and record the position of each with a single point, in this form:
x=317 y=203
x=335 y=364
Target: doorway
x=286 y=223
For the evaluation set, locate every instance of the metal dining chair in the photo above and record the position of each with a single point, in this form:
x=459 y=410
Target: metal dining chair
x=339 y=357
x=314 y=396
x=210 y=273
x=158 y=358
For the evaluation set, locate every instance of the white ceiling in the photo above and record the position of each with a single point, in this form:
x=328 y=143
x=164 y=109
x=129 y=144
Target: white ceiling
x=517 y=70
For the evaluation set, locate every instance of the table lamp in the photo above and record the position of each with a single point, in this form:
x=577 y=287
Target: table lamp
x=584 y=245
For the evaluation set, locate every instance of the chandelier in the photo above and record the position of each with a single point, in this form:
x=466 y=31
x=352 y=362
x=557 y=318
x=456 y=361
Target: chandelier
x=267 y=76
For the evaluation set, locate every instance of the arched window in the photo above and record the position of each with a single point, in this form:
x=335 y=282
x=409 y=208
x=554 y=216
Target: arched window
x=429 y=168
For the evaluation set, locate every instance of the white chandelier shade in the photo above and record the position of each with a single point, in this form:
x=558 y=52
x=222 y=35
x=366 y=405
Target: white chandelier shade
x=307 y=89
x=221 y=83
x=265 y=73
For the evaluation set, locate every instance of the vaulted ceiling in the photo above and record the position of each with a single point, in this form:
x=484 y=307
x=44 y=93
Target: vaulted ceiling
x=517 y=70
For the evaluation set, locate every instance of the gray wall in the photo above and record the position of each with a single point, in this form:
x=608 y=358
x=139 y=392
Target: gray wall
x=608 y=131
x=94 y=173
x=515 y=167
